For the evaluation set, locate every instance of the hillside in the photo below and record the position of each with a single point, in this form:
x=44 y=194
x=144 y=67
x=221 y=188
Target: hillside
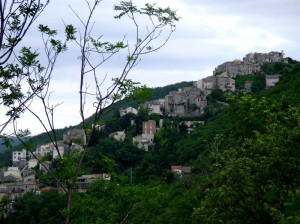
x=107 y=116
x=14 y=142
x=244 y=164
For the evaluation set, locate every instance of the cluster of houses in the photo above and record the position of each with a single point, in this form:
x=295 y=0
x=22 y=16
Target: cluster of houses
x=145 y=141
x=250 y=64
x=20 y=177
x=189 y=101
x=224 y=74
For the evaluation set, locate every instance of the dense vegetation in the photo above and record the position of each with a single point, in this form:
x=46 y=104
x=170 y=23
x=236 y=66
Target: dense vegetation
x=245 y=166
x=258 y=82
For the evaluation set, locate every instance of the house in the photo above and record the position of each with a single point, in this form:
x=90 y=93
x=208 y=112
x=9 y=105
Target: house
x=149 y=127
x=118 y=135
x=14 y=190
x=100 y=127
x=84 y=181
x=208 y=84
x=45 y=166
x=13 y=173
x=75 y=135
x=276 y=56
x=225 y=82
x=191 y=125
x=32 y=163
x=43 y=150
x=19 y=155
x=248 y=86
x=29 y=178
x=271 y=80
x=19 y=158
x=61 y=149
x=155 y=106
x=188 y=101
x=144 y=141
x=126 y=110
x=181 y=171
x=48 y=188
x=50 y=149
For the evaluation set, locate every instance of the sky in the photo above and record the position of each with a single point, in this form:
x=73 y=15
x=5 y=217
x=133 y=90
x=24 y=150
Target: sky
x=208 y=34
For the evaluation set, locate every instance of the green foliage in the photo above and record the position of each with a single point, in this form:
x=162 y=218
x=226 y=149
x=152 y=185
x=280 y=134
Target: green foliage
x=65 y=169
x=4 y=207
x=24 y=77
x=161 y=92
x=17 y=18
x=216 y=95
x=274 y=68
x=258 y=82
x=163 y=15
x=123 y=154
x=245 y=170
x=195 y=148
x=108 y=202
x=34 y=208
x=250 y=114
x=256 y=175
x=287 y=90
x=141 y=94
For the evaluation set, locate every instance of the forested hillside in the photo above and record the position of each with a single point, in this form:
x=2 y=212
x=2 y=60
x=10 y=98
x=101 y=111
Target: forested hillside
x=107 y=117
x=245 y=163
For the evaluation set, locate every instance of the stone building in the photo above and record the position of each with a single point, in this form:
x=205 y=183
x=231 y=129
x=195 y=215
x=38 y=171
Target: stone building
x=250 y=64
x=146 y=139
x=271 y=80
x=188 y=101
x=222 y=81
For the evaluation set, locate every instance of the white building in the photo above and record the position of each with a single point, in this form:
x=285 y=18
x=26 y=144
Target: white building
x=84 y=181
x=126 y=110
x=155 y=106
x=19 y=155
x=13 y=172
x=62 y=148
x=75 y=136
x=271 y=80
x=191 y=125
x=43 y=150
x=49 y=148
x=143 y=141
x=32 y=163
x=181 y=171
x=118 y=135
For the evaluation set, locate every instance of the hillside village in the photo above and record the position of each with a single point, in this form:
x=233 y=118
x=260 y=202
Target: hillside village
x=186 y=102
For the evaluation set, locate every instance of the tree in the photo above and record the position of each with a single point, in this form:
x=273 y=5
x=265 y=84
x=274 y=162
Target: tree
x=16 y=17
x=94 y=52
x=34 y=208
x=216 y=95
x=256 y=179
x=4 y=207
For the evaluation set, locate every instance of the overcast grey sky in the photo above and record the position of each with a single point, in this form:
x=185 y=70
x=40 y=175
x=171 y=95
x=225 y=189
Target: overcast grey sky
x=208 y=34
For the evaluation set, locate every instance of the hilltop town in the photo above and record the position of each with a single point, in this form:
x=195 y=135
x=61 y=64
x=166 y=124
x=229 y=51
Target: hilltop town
x=185 y=102
x=191 y=101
